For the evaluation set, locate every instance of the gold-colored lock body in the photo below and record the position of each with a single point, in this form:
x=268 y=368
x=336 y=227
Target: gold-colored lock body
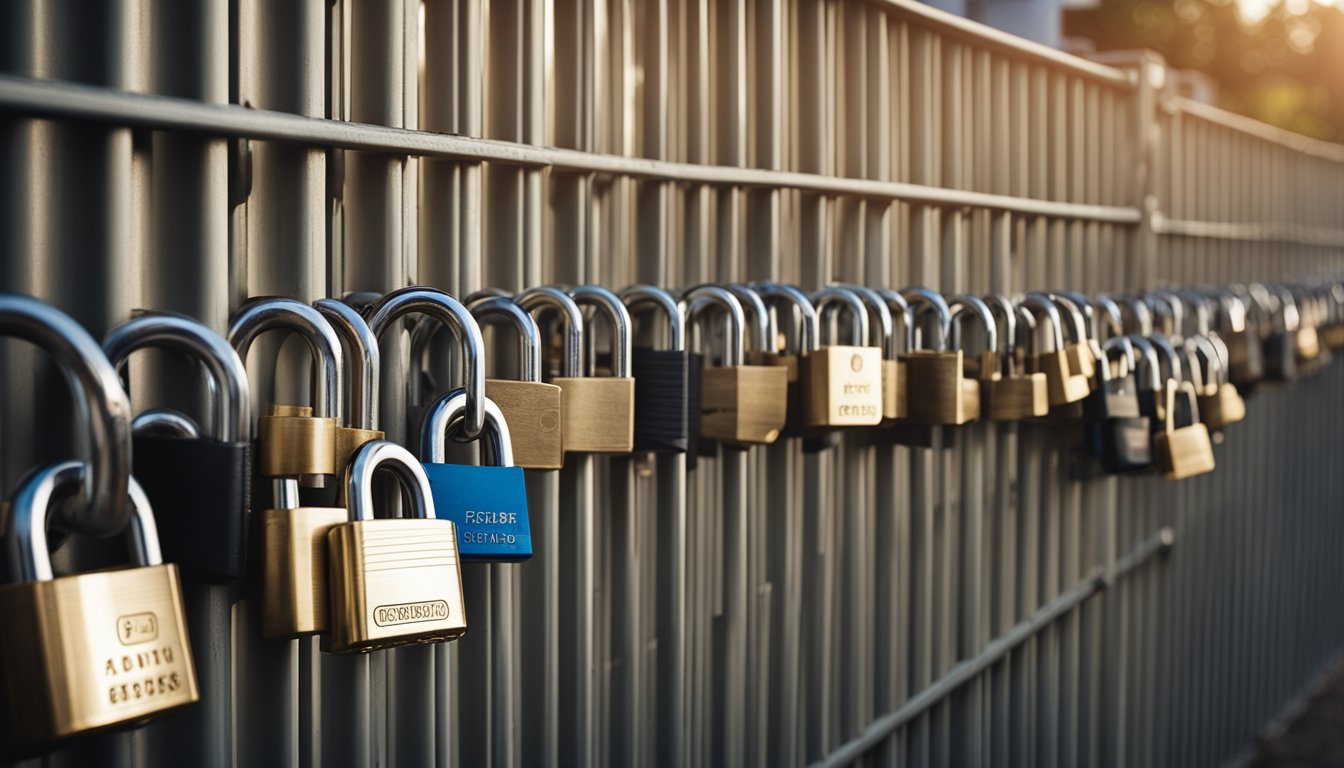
x=291 y=442
x=347 y=441
x=1308 y=343
x=394 y=582
x=1017 y=397
x=1064 y=384
x=94 y=650
x=1332 y=336
x=937 y=391
x=534 y=412
x=893 y=390
x=744 y=404
x=1225 y=406
x=1182 y=452
x=294 y=569
x=597 y=413
x=843 y=386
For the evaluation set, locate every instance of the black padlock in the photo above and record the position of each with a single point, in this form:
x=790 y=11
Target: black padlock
x=662 y=380
x=1281 y=343
x=1121 y=435
x=1241 y=333
x=199 y=487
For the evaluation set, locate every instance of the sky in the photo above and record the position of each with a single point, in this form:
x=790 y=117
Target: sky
x=1255 y=10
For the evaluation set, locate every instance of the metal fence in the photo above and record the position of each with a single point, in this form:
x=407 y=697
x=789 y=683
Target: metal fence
x=975 y=603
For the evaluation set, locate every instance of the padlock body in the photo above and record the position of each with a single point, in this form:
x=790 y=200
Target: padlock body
x=394 y=582
x=94 y=650
x=534 y=413
x=294 y=569
x=1081 y=360
x=200 y=491
x=489 y=507
x=843 y=386
x=1308 y=343
x=1112 y=399
x=936 y=392
x=597 y=414
x=1246 y=357
x=662 y=399
x=347 y=440
x=1332 y=336
x=1281 y=356
x=1184 y=452
x=1063 y=384
x=1016 y=397
x=1222 y=408
x=291 y=443
x=793 y=421
x=893 y=390
x=1122 y=445
x=744 y=404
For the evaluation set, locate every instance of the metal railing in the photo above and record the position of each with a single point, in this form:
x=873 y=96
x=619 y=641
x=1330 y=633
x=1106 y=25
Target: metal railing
x=975 y=603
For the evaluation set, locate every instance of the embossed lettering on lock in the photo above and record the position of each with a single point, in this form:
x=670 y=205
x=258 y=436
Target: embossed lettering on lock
x=843 y=382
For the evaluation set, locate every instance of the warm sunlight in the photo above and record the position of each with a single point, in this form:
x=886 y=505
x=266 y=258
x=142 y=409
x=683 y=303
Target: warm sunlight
x=1255 y=10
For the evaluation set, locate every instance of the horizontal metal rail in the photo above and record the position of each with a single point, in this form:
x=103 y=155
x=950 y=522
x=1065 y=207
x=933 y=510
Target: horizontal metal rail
x=1263 y=131
x=1295 y=234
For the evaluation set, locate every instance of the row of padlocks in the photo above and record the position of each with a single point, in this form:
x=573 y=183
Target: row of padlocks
x=1139 y=383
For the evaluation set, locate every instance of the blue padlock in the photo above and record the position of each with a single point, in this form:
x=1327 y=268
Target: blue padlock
x=488 y=503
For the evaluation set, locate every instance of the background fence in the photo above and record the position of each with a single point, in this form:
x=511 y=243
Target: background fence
x=979 y=602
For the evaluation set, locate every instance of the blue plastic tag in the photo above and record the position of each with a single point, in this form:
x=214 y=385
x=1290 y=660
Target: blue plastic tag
x=489 y=506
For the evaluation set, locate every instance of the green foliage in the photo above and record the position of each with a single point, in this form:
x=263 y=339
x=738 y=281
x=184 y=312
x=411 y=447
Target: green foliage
x=1287 y=69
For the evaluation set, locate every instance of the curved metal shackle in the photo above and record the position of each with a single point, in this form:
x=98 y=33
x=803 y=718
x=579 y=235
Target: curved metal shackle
x=879 y=317
x=780 y=296
x=1036 y=301
x=1197 y=309
x=384 y=313
x=756 y=333
x=502 y=310
x=609 y=304
x=833 y=298
x=1260 y=305
x=571 y=321
x=1003 y=312
x=259 y=315
x=25 y=541
x=1214 y=369
x=1165 y=304
x=1083 y=303
x=1077 y=320
x=1231 y=313
x=99 y=400
x=387 y=456
x=1125 y=349
x=1147 y=355
x=898 y=306
x=642 y=296
x=361 y=406
x=485 y=293
x=702 y=297
x=447 y=412
x=923 y=300
x=1110 y=311
x=166 y=422
x=1288 y=309
x=1173 y=359
x=1143 y=316
x=229 y=395
x=967 y=305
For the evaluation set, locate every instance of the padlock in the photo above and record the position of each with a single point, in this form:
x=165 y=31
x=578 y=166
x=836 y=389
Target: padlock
x=1064 y=385
x=938 y=391
x=1168 y=314
x=1245 y=364
x=1119 y=433
x=360 y=370
x=394 y=582
x=798 y=339
x=1085 y=356
x=598 y=412
x=662 y=376
x=1281 y=350
x=1009 y=395
x=843 y=382
x=487 y=503
x=88 y=651
x=531 y=406
x=895 y=404
x=1332 y=334
x=1219 y=402
x=389 y=311
x=293 y=559
x=200 y=487
x=740 y=404
x=102 y=508
x=1183 y=448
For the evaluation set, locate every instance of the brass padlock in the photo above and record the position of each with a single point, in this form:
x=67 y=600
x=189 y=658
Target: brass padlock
x=598 y=412
x=843 y=382
x=938 y=391
x=1009 y=395
x=1087 y=352
x=1245 y=353
x=895 y=403
x=1219 y=402
x=1332 y=333
x=360 y=370
x=394 y=582
x=796 y=318
x=531 y=407
x=293 y=563
x=94 y=650
x=1064 y=385
x=739 y=404
x=1183 y=448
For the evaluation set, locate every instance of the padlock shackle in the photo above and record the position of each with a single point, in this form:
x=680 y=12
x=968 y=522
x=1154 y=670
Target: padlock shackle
x=1287 y=314
x=1231 y=312
x=1122 y=348
x=967 y=305
x=226 y=377
x=1142 y=315
x=485 y=293
x=1076 y=327
x=1039 y=304
x=757 y=329
x=99 y=402
x=897 y=306
x=642 y=297
x=361 y=348
x=25 y=540
x=1083 y=304
x=1215 y=362
x=540 y=299
x=802 y=315
x=879 y=319
x=1169 y=307
x=385 y=455
x=609 y=304
x=165 y=422
x=922 y=300
x=385 y=313
x=501 y=310
x=1196 y=309
x=445 y=415
x=262 y=314
x=1110 y=311
x=1168 y=351
x=1005 y=325
x=1147 y=356
x=834 y=298
x=705 y=297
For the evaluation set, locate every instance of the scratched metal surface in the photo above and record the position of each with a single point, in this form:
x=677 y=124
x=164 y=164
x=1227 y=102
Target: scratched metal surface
x=974 y=604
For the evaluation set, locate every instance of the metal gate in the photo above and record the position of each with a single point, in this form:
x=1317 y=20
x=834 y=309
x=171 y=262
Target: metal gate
x=970 y=604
